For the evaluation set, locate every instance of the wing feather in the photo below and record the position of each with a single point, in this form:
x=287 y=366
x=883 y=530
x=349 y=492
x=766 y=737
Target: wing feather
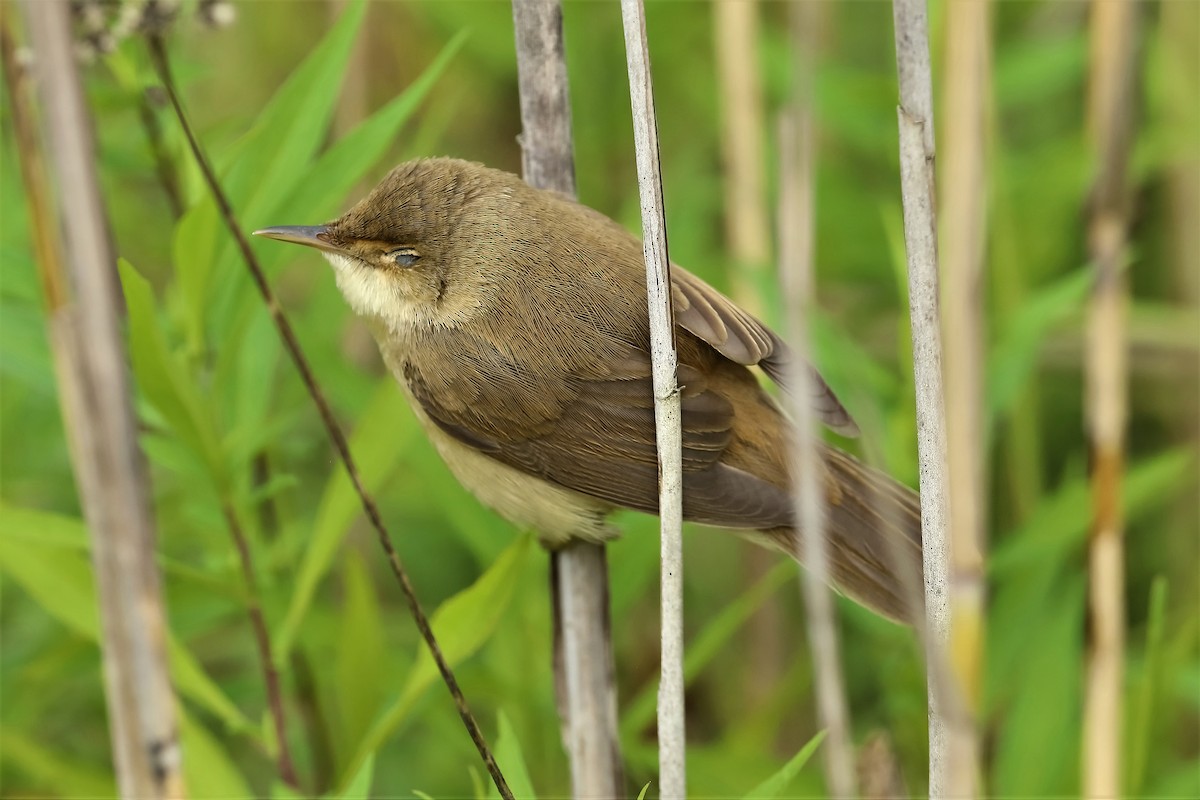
x=704 y=312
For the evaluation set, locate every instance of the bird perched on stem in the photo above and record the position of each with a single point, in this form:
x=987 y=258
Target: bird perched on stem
x=515 y=321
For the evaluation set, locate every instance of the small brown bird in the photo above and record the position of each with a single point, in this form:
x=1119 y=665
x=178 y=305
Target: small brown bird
x=515 y=320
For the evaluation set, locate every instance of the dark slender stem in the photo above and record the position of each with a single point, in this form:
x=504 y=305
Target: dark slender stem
x=162 y=65
x=262 y=640
x=268 y=514
x=162 y=159
x=320 y=745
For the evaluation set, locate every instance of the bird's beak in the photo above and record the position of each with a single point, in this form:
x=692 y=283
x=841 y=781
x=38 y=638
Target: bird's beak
x=308 y=235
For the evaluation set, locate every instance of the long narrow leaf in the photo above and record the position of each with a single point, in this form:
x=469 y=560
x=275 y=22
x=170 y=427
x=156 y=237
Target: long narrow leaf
x=462 y=625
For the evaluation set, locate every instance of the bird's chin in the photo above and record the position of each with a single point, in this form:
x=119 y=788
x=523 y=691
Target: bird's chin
x=374 y=294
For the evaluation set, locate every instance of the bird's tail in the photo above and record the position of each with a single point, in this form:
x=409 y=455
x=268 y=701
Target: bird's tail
x=873 y=530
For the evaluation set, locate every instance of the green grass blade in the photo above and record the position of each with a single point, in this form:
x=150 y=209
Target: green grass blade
x=773 y=786
x=208 y=771
x=1147 y=690
x=164 y=379
x=512 y=762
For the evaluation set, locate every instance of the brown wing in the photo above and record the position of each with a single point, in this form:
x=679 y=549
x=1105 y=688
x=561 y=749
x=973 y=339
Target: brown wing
x=708 y=314
x=598 y=438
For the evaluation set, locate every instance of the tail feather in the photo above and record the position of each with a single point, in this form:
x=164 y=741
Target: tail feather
x=873 y=525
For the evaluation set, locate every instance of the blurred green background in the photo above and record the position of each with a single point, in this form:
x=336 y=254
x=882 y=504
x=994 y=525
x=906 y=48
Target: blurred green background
x=303 y=106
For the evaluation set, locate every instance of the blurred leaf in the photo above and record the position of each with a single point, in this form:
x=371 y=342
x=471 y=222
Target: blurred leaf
x=1061 y=520
x=24 y=352
x=1031 y=71
x=207 y=768
x=345 y=163
x=511 y=761
x=46 y=529
x=359 y=665
x=276 y=155
x=773 y=786
x=380 y=438
x=281 y=791
x=1148 y=689
x=62 y=583
x=1014 y=357
x=703 y=648
x=164 y=379
x=49 y=768
x=1036 y=750
x=194 y=253
x=360 y=786
x=462 y=624
x=292 y=126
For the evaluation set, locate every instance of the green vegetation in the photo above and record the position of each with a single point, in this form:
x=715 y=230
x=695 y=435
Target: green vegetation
x=301 y=115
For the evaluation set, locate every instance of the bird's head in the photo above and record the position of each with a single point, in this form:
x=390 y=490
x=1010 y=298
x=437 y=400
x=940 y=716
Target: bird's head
x=406 y=255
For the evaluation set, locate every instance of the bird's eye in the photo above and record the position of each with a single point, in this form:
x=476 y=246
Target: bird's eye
x=404 y=257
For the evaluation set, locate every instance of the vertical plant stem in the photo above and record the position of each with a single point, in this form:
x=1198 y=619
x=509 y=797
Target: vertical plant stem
x=747 y=229
x=163 y=165
x=583 y=657
x=1111 y=110
x=672 y=748
x=748 y=240
x=964 y=195
x=262 y=641
x=915 y=116
x=797 y=234
x=97 y=406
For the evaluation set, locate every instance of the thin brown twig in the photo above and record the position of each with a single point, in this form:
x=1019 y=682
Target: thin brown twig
x=262 y=640
x=158 y=149
x=162 y=66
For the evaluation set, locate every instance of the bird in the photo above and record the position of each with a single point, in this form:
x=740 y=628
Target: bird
x=515 y=321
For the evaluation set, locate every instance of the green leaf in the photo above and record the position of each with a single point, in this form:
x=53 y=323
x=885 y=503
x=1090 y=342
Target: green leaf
x=61 y=582
x=163 y=378
x=1061 y=520
x=359 y=665
x=49 y=768
x=703 y=648
x=337 y=170
x=773 y=786
x=462 y=624
x=511 y=761
x=292 y=126
x=281 y=791
x=381 y=436
x=1014 y=357
x=208 y=770
x=194 y=252
x=1148 y=690
x=360 y=786
x=271 y=160
x=1037 y=747
x=47 y=529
